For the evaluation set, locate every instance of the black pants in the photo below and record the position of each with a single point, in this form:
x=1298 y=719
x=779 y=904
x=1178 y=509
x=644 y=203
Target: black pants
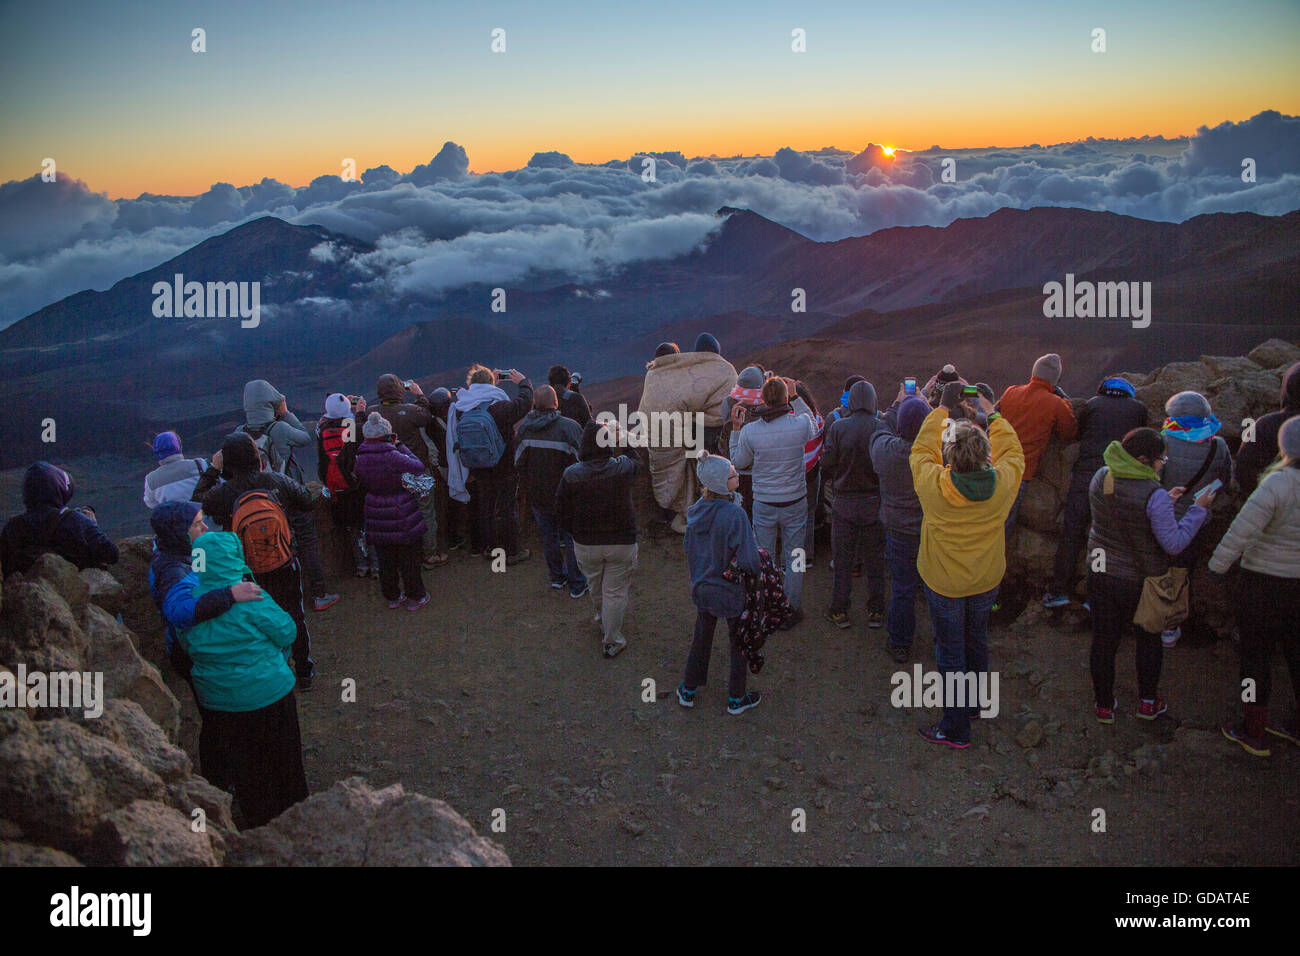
x=306 y=545
x=697 y=664
x=498 y=516
x=857 y=535
x=347 y=508
x=746 y=490
x=1074 y=535
x=1114 y=602
x=284 y=585
x=1267 y=609
x=263 y=752
x=400 y=561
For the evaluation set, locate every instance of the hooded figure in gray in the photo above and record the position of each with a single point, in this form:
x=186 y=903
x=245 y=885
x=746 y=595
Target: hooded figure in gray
x=266 y=414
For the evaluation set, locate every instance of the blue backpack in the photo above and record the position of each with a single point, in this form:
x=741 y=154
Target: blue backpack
x=478 y=440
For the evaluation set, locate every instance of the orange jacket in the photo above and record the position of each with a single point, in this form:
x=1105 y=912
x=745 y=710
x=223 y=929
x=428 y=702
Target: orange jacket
x=1035 y=411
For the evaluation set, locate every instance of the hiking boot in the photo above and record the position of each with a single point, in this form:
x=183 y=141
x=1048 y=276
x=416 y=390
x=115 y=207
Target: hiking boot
x=325 y=601
x=1106 y=715
x=1055 y=600
x=875 y=619
x=1256 y=746
x=398 y=602
x=899 y=654
x=738 y=705
x=1289 y=731
x=838 y=618
x=793 y=620
x=937 y=736
x=305 y=681
x=685 y=697
x=1170 y=638
x=586 y=589
x=522 y=555
x=1151 y=709
x=414 y=605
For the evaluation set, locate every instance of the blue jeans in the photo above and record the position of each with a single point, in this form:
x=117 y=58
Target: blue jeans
x=900 y=554
x=961 y=644
x=1010 y=527
x=792 y=522
x=557 y=545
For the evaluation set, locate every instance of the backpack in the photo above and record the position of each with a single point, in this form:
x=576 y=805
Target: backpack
x=263 y=530
x=478 y=440
x=332 y=442
x=261 y=435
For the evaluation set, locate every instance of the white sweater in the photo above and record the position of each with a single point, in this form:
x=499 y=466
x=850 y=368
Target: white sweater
x=1266 y=532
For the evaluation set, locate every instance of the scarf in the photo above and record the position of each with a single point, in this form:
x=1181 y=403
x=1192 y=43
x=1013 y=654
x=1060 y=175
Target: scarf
x=466 y=398
x=1191 y=427
x=1124 y=465
x=747 y=396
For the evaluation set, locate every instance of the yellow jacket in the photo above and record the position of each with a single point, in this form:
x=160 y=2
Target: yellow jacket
x=963 y=548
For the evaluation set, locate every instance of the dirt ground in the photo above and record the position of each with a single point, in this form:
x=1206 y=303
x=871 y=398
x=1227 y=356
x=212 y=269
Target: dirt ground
x=496 y=697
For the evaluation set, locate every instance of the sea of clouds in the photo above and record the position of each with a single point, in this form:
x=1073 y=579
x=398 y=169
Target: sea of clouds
x=438 y=226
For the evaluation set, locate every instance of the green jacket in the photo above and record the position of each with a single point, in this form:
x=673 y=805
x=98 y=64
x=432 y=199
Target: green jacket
x=239 y=662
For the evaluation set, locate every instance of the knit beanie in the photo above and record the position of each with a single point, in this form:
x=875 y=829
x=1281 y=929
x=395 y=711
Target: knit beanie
x=1288 y=438
x=947 y=374
x=714 y=472
x=166 y=444
x=337 y=406
x=1048 y=367
x=376 y=426
x=707 y=343
x=910 y=416
x=1188 y=405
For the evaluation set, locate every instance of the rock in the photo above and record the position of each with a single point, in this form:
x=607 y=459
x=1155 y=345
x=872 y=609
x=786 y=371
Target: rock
x=126 y=673
x=105 y=590
x=57 y=779
x=1275 y=354
x=63 y=577
x=1241 y=396
x=1222 y=366
x=195 y=793
x=353 y=825
x=147 y=833
x=125 y=723
x=1102 y=765
x=1030 y=735
x=138 y=610
x=1170 y=380
x=38 y=628
x=25 y=854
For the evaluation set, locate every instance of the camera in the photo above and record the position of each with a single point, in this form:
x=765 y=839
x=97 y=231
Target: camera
x=576 y=379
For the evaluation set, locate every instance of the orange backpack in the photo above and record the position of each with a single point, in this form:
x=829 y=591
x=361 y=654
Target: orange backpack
x=263 y=530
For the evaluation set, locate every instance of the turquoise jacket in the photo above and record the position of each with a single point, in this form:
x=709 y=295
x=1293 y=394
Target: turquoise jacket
x=239 y=662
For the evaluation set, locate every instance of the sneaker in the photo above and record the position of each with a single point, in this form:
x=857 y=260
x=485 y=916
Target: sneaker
x=997 y=606
x=522 y=555
x=556 y=585
x=437 y=559
x=305 y=681
x=1257 y=746
x=613 y=649
x=685 y=697
x=793 y=620
x=394 y=605
x=1289 y=732
x=899 y=654
x=1170 y=638
x=586 y=589
x=937 y=736
x=738 y=705
x=875 y=619
x=838 y=618
x=1055 y=600
x=414 y=605
x=1106 y=715
x=325 y=601
x=456 y=546
x=1087 y=606
x=363 y=572
x=1150 y=710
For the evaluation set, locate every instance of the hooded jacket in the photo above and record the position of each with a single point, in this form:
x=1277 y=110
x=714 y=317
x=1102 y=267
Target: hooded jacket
x=772 y=450
x=407 y=418
x=717 y=530
x=1108 y=416
x=1036 y=413
x=173 y=479
x=594 y=499
x=1254 y=456
x=963 y=542
x=846 y=454
x=392 y=513
x=547 y=444
x=48 y=526
x=900 y=508
x=241 y=467
x=1266 y=532
x=506 y=413
x=239 y=661
x=286 y=434
x=347 y=454
x=172 y=580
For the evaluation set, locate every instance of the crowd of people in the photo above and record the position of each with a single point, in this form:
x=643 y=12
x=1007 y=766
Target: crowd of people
x=923 y=493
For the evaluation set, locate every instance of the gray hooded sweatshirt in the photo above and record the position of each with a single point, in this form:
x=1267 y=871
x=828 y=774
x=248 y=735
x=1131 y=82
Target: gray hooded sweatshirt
x=286 y=434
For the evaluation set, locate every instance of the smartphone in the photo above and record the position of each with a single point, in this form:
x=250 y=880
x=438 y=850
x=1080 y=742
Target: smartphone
x=970 y=391
x=909 y=386
x=1212 y=487
x=408 y=383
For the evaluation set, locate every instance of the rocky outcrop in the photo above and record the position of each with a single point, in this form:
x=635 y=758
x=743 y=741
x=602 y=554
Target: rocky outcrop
x=113 y=788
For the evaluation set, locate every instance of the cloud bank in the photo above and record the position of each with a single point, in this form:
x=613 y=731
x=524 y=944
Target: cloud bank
x=438 y=226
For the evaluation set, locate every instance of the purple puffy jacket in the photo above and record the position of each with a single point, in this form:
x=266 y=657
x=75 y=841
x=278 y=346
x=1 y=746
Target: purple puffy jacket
x=392 y=513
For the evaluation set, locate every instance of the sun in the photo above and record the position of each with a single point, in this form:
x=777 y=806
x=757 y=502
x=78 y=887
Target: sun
x=887 y=150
